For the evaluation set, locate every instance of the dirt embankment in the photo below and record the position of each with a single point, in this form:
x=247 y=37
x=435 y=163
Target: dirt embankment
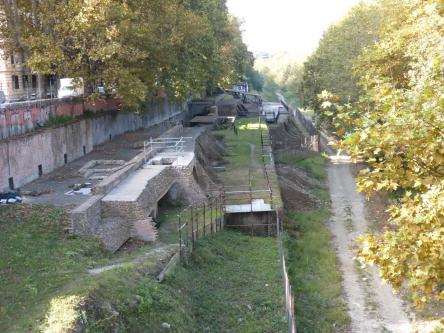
x=296 y=186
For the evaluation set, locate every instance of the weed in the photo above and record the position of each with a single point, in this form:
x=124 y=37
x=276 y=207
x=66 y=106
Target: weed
x=58 y=120
x=348 y=221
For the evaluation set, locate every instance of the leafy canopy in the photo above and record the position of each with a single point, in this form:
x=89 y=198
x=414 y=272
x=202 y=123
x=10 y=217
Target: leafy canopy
x=140 y=49
x=397 y=128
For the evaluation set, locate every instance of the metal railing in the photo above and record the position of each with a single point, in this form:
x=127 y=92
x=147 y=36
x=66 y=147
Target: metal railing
x=289 y=298
x=197 y=221
x=170 y=147
x=266 y=149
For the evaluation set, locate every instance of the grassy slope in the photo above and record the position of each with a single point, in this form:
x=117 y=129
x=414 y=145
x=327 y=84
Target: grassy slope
x=313 y=268
x=36 y=261
x=224 y=287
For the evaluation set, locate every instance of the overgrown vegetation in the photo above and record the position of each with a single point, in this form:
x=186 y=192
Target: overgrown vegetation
x=45 y=286
x=312 y=264
x=224 y=287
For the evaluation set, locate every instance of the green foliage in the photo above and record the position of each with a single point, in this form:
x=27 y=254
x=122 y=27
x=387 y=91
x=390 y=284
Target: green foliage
x=58 y=120
x=282 y=73
x=255 y=79
x=141 y=49
x=331 y=66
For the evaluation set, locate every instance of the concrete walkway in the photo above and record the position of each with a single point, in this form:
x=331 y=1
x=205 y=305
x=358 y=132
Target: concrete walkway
x=54 y=185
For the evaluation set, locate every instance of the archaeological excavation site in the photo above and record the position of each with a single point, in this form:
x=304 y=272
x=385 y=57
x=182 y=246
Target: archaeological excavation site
x=221 y=166
x=139 y=223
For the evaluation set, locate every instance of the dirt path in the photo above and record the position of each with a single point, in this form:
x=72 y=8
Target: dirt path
x=253 y=160
x=372 y=305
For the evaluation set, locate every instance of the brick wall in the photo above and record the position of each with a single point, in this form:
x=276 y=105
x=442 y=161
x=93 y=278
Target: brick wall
x=22 y=117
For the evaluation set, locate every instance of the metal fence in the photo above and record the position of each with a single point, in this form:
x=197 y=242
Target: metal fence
x=289 y=298
x=266 y=149
x=170 y=147
x=197 y=221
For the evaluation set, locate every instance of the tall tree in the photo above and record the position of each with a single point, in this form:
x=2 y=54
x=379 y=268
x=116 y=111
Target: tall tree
x=397 y=128
x=330 y=67
x=139 y=48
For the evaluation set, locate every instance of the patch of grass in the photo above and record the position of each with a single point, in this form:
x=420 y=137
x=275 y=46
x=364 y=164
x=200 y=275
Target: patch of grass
x=348 y=222
x=312 y=263
x=239 y=152
x=37 y=261
x=242 y=164
x=312 y=163
x=226 y=286
x=59 y=120
x=314 y=274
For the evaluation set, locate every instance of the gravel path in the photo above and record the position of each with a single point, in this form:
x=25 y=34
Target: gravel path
x=372 y=305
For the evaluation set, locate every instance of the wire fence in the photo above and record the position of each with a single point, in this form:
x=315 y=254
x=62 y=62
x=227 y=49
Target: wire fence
x=289 y=298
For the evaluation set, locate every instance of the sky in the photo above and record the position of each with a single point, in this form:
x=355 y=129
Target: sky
x=292 y=26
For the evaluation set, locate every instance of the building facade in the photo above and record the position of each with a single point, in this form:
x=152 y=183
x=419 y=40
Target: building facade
x=17 y=83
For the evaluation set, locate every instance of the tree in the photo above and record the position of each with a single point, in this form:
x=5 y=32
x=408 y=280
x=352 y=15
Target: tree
x=140 y=48
x=330 y=67
x=397 y=128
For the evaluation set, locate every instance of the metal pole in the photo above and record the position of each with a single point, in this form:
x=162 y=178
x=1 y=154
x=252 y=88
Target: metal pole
x=204 y=220
x=211 y=214
x=180 y=236
x=192 y=227
x=197 y=224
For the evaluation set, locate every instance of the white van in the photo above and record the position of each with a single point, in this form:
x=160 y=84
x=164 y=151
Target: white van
x=68 y=88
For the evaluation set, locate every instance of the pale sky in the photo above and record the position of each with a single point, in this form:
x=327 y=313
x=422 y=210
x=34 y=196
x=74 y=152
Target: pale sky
x=293 y=26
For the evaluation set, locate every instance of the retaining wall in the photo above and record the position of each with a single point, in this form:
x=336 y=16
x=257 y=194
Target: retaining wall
x=21 y=156
x=23 y=117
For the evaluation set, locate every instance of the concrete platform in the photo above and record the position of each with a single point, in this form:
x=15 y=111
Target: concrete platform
x=258 y=205
x=132 y=188
x=181 y=160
